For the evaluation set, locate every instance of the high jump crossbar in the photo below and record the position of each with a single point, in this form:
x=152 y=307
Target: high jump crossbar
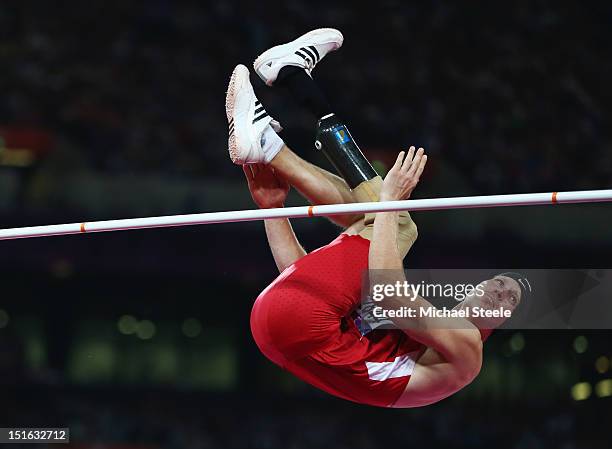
x=464 y=202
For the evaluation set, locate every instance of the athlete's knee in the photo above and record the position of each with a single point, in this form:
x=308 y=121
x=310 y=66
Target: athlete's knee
x=368 y=191
x=407 y=226
x=407 y=233
x=405 y=220
x=406 y=236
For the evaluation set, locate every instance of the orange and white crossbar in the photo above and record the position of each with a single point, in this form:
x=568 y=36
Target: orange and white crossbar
x=464 y=202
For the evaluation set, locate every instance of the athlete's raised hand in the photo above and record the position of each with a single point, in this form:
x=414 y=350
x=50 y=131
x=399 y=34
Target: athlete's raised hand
x=404 y=175
x=267 y=188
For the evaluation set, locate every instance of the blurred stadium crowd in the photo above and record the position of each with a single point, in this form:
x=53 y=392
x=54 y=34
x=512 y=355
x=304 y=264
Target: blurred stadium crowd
x=202 y=422
x=508 y=95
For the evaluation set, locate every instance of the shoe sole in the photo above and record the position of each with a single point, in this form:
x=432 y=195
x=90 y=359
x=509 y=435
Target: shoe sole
x=280 y=51
x=237 y=81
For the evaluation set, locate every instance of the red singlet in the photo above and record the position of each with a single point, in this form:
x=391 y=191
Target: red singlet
x=303 y=323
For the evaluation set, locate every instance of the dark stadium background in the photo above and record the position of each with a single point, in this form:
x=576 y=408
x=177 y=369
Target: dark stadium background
x=115 y=109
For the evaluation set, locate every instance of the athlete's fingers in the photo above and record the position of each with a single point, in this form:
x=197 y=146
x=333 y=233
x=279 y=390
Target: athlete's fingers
x=275 y=176
x=248 y=173
x=421 y=167
x=278 y=175
x=282 y=181
x=255 y=169
x=415 y=162
x=398 y=161
x=408 y=160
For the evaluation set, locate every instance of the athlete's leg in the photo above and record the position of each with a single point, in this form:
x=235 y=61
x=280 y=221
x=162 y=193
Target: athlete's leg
x=317 y=185
x=252 y=139
x=290 y=66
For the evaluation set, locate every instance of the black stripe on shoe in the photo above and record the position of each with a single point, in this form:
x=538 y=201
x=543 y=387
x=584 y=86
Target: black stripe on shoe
x=257 y=102
x=259 y=117
x=258 y=109
x=231 y=121
x=231 y=127
x=314 y=50
x=309 y=53
x=305 y=57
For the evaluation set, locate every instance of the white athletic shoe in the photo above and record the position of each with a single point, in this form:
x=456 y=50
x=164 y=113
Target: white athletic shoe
x=305 y=52
x=251 y=137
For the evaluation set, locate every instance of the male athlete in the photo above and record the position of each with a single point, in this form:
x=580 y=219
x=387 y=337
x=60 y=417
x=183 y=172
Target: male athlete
x=306 y=320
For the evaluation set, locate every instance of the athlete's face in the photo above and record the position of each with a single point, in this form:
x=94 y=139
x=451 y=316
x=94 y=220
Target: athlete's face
x=497 y=293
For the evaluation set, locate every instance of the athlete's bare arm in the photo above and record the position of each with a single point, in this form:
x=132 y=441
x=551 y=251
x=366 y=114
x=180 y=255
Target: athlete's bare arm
x=398 y=185
x=268 y=191
x=454 y=353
